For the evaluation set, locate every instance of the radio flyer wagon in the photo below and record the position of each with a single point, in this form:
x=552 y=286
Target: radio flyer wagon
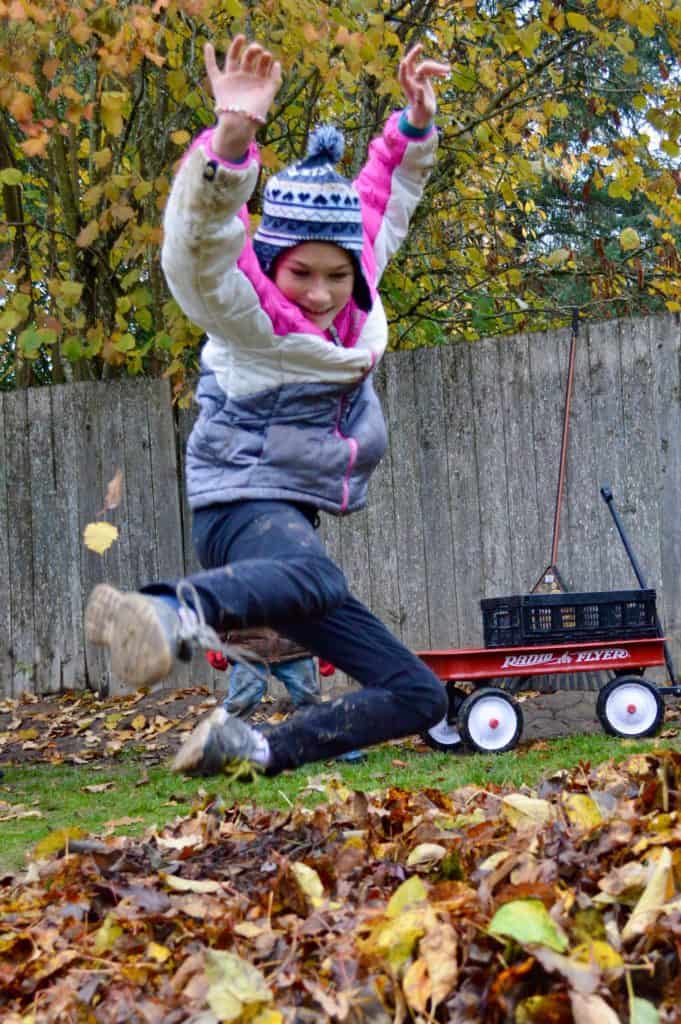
x=530 y=635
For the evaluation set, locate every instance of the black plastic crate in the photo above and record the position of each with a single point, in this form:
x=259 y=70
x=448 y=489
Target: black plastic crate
x=526 y=619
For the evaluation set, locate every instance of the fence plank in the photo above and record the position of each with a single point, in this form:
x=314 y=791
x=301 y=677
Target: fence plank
x=491 y=464
x=583 y=513
x=89 y=401
x=167 y=501
x=385 y=594
x=69 y=603
x=667 y=355
x=434 y=500
x=6 y=603
x=515 y=397
x=641 y=448
x=464 y=496
x=608 y=425
x=20 y=541
x=409 y=540
x=548 y=402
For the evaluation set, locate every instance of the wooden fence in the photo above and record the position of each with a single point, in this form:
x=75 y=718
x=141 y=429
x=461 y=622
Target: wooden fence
x=460 y=508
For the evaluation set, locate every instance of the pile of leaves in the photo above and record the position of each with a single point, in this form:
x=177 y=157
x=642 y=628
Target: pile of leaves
x=552 y=907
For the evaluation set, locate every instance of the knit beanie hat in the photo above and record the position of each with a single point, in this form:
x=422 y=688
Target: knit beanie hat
x=311 y=202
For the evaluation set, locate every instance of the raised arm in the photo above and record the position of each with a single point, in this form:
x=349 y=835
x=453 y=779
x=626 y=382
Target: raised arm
x=205 y=219
x=392 y=180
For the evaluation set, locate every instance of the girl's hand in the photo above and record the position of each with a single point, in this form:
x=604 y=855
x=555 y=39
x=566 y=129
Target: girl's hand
x=247 y=83
x=417 y=86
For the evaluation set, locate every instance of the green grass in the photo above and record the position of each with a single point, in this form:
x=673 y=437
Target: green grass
x=58 y=791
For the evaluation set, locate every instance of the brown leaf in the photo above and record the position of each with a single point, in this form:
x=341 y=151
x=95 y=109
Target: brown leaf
x=114 y=492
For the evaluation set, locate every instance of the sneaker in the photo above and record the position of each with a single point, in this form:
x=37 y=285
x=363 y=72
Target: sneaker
x=144 y=634
x=218 y=741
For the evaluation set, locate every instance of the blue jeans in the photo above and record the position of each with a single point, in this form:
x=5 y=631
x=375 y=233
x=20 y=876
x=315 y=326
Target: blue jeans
x=265 y=565
x=247 y=688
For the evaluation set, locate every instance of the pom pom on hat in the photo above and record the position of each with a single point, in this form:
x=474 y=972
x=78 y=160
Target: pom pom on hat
x=326 y=142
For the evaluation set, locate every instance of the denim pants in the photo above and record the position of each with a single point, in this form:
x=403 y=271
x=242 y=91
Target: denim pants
x=266 y=566
x=247 y=688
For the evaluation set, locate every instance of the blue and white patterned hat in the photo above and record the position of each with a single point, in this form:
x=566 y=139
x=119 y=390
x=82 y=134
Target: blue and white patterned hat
x=311 y=202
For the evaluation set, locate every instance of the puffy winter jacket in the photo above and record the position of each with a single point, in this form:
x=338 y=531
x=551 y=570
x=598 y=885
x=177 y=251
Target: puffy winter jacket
x=287 y=410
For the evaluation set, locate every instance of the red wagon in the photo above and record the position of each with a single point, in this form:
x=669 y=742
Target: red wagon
x=489 y=719
x=556 y=634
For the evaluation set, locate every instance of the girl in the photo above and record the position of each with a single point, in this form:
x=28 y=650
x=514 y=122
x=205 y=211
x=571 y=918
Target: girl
x=289 y=421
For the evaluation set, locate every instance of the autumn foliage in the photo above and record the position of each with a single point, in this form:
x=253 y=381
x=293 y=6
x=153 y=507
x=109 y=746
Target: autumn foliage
x=571 y=106
x=554 y=907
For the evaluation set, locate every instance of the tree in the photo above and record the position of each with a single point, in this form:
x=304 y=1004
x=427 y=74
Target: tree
x=97 y=102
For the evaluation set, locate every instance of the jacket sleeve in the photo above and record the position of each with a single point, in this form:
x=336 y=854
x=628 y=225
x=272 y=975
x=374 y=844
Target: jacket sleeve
x=204 y=235
x=391 y=184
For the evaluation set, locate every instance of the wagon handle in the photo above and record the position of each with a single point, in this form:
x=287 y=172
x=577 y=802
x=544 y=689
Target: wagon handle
x=606 y=494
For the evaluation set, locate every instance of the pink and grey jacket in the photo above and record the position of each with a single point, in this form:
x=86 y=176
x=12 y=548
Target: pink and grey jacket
x=287 y=411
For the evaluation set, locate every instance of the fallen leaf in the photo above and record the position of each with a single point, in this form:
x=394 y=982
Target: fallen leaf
x=529 y=923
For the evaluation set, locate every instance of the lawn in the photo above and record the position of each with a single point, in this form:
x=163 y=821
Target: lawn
x=126 y=797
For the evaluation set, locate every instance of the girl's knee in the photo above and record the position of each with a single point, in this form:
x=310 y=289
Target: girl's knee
x=433 y=703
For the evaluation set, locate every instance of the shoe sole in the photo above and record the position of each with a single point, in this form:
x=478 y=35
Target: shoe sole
x=190 y=756
x=140 y=649
x=100 y=612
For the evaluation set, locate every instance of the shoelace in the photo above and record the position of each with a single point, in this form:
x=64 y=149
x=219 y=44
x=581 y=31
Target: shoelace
x=195 y=630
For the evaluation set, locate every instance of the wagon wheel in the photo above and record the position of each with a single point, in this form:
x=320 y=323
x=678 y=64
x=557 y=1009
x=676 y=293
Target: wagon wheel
x=444 y=735
x=630 y=706
x=490 y=721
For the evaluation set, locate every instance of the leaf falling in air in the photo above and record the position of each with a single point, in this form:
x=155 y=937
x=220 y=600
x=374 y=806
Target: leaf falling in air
x=114 y=492
x=99 y=536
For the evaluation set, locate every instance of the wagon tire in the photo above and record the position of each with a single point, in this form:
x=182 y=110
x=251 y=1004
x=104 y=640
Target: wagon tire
x=444 y=735
x=631 y=707
x=490 y=721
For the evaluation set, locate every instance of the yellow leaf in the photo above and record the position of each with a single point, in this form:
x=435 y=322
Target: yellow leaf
x=416 y=985
x=410 y=892
x=138 y=722
x=55 y=842
x=659 y=889
x=99 y=536
x=202 y=885
x=582 y=810
x=158 y=952
x=629 y=239
x=394 y=940
x=308 y=881
x=235 y=988
x=600 y=952
x=557 y=257
x=10 y=176
x=106 y=935
x=526 y=811
x=87 y=236
x=578 y=21
x=181 y=137
x=112 y=104
x=102 y=158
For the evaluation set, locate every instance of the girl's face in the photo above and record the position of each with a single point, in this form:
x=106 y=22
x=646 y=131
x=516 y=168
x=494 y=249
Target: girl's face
x=318 y=277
